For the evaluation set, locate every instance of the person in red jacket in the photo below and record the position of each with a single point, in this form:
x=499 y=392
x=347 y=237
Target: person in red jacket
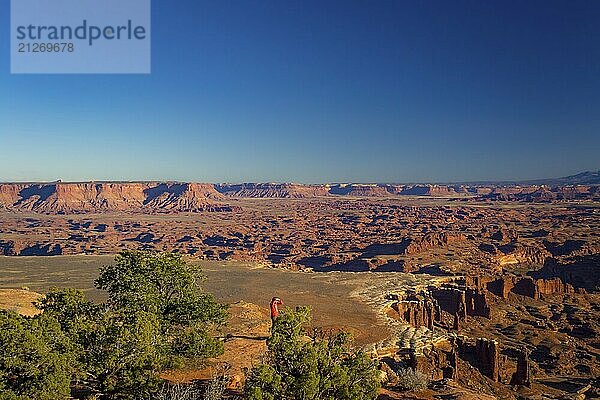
x=275 y=303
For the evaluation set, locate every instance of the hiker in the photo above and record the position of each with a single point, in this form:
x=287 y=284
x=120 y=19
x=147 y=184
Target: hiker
x=275 y=303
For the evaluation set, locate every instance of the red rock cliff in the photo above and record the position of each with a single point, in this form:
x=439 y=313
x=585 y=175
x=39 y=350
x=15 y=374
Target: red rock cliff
x=66 y=198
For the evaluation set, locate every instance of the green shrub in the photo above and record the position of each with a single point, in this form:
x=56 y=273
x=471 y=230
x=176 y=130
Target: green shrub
x=321 y=367
x=156 y=317
x=36 y=358
x=163 y=284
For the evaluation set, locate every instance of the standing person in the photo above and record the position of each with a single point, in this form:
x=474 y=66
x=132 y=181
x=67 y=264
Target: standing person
x=275 y=303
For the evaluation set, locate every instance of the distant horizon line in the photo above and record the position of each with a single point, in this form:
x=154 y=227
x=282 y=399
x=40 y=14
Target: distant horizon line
x=538 y=181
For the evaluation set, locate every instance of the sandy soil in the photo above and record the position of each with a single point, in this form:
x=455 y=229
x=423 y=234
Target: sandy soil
x=19 y=301
x=338 y=299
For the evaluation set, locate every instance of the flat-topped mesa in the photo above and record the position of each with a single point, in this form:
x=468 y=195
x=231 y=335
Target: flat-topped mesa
x=507 y=193
x=432 y=190
x=120 y=196
x=74 y=198
x=360 y=190
x=9 y=193
x=185 y=197
x=90 y=197
x=535 y=193
x=296 y=190
x=272 y=190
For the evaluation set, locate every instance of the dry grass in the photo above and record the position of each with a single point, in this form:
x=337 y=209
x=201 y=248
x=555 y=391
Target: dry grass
x=19 y=301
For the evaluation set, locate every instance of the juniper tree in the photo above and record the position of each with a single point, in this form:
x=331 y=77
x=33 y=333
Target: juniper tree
x=320 y=367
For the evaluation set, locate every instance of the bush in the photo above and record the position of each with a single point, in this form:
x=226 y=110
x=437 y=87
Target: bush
x=217 y=386
x=156 y=317
x=322 y=367
x=178 y=392
x=163 y=284
x=36 y=358
x=410 y=379
x=215 y=390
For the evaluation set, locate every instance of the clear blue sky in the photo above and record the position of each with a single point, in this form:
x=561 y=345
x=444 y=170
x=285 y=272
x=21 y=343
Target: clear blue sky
x=317 y=91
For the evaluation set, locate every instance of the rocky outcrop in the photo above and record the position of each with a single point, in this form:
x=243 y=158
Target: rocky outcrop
x=565 y=248
x=415 y=312
x=12 y=248
x=528 y=286
x=552 y=286
x=482 y=353
x=505 y=235
x=581 y=272
x=513 y=254
x=445 y=306
x=522 y=375
x=42 y=250
x=430 y=241
x=571 y=247
x=462 y=301
x=466 y=359
x=477 y=303
x=8 y=248
x=450 y=300
x=438 y=361
x=487 y=352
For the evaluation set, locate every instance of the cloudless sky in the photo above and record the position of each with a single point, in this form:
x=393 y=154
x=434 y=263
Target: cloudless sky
x=322 y=91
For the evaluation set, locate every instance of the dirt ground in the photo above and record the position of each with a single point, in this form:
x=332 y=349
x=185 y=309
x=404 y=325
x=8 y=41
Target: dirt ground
x=331 y=295
x=19 y=301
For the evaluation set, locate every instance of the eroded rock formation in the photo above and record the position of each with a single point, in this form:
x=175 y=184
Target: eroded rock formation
x=431 y=240
x=528 y=286
x=74 y=198
x=522 y=375
x=416 y=312
x=487 y=353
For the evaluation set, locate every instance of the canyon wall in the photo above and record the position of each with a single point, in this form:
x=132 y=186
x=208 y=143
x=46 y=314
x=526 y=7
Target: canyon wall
x=73 y=198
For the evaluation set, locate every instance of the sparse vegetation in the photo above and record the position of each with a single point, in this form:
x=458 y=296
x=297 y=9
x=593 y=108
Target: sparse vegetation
x=214 y=390
x=411 y=379
x=320 y=367
x=217 y=386
x=178 y=392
